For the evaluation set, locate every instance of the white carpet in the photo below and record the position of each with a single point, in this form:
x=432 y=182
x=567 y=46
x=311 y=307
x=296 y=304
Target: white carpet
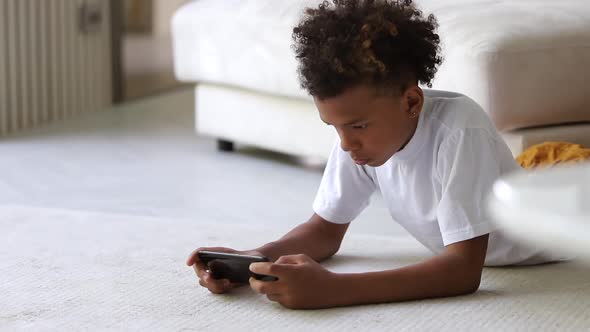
x=74 y=270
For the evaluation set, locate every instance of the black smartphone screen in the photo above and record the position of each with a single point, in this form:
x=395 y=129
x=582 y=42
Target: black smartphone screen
x=234 y=267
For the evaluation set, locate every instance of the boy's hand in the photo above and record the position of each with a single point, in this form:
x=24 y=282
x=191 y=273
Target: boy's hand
x=216 y=286
x=303 y=283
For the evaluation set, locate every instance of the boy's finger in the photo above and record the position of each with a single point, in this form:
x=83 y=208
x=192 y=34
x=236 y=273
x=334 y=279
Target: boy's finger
x=274 y=297
x=260 y=268
x=215 y=289
x=262 y=287
x=199 y=270
x=219 y=282
x=289 y=259
x=211 y=286
x=216 y=285
x=193 y=257
x=269 y=269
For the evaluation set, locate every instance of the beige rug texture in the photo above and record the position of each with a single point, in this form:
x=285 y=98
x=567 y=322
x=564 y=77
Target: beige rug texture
x=66 y=270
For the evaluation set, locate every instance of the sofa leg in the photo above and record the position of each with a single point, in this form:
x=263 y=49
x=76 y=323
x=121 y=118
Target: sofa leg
x=225 y=146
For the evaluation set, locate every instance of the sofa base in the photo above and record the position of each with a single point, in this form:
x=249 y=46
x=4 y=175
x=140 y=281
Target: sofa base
x=225 y=146
x=281 y=124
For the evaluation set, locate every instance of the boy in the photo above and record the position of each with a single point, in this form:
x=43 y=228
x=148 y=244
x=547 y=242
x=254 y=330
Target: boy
x=433 y=156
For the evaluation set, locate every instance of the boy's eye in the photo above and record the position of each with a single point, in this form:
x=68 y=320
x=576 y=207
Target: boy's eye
x=363 y=126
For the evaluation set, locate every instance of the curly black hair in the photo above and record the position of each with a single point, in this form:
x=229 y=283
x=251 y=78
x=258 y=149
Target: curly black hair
x=387 y=44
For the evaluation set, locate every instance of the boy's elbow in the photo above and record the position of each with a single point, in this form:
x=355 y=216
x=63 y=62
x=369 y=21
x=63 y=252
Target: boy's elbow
x=471 y=285
x=464 y=288
x=468 y=281
x=336 y=248
x=472 y=288
x=331 y=252
x=469 y=278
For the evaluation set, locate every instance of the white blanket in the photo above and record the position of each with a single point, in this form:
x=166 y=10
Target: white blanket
x=75 y=270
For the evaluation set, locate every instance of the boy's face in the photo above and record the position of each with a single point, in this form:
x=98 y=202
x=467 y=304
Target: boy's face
x=372 y=127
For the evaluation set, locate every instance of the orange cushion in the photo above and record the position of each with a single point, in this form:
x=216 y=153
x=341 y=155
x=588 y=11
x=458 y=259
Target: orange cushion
x=548 y=154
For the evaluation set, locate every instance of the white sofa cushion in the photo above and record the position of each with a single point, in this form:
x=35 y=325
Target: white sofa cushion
x=526 y=62
x=243 y=43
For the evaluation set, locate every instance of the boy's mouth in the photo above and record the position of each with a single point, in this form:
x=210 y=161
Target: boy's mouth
x=360 y=161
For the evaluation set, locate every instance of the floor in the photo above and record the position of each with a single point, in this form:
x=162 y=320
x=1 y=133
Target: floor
x=70 y=271
x=144 y=158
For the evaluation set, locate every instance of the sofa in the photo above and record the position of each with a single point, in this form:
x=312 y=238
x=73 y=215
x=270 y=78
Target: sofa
x=526 y=62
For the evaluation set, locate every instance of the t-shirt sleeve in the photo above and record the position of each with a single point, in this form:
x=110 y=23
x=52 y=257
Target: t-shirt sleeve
x=467 y=167
x=345 y=189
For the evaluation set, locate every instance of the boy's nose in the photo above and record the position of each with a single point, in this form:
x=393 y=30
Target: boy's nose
x=349 y=145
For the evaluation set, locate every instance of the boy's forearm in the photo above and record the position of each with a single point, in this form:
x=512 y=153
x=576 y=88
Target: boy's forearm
x=307 y=239
x=440 y=276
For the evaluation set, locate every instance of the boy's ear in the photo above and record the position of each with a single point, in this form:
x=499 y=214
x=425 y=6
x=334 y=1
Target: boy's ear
x=412 y=100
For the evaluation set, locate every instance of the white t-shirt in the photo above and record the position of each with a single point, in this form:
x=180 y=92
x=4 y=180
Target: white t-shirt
x=436 y=186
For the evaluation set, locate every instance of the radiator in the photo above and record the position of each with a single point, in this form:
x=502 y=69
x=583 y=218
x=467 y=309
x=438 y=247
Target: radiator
x=51 y=66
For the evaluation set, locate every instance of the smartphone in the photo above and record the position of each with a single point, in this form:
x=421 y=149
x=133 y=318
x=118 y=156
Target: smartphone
x=235 y=267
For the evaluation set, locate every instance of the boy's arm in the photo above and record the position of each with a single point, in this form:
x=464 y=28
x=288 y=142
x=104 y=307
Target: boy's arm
x=456 y=271
x=317 y=238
